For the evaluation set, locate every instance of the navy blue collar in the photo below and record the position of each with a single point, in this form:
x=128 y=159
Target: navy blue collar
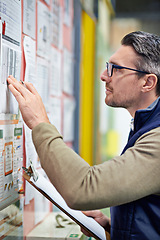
x=142 y=115
x=144 y=121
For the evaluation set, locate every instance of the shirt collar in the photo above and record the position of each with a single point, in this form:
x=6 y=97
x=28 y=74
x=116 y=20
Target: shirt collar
x=150 y=106
x=141 y=114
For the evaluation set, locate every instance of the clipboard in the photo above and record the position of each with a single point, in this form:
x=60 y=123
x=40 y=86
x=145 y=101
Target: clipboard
x=39 y=182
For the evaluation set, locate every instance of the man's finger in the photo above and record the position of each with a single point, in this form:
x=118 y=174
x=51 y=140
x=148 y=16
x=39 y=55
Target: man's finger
x=92 y=213
x=17 y=94
x=19 y=87
x=85 y=232
x=31 y=88
x=12 y=78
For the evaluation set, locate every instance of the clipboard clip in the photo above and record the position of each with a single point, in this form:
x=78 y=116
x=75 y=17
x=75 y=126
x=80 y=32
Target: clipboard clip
x=31 y=171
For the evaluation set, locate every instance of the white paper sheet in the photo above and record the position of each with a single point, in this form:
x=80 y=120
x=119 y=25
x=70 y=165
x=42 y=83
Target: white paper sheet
x=42 y=206
x=11 y=61
x=11 y=65
x=10 y=12
x=31 y=154
x=68 y=78
x=30 y=58
x=29 y=193
x=43 y=30
x=68 y=119
x=67 y=12
x=0 y=46
x=29 y=18
x=43 y=184
x=10 y=51
x=42 y=82
x=3 y=98
x=55 y=112
x=55 y=82
x=56 y=24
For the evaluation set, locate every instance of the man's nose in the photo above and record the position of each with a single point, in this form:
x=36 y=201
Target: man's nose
x=104 y=77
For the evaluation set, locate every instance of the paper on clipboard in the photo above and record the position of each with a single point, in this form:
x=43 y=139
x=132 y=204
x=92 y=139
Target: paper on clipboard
x=49 y=191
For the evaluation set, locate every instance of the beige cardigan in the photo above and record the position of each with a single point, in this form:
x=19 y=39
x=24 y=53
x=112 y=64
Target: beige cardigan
x=122 y=179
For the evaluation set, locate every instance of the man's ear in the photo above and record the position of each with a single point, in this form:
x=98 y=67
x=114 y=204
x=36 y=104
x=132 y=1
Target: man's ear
x=150 y=83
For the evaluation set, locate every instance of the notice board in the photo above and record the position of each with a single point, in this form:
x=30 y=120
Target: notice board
x=36 y=45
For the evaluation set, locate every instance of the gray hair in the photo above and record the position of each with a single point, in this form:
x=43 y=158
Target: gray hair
x=147 y=47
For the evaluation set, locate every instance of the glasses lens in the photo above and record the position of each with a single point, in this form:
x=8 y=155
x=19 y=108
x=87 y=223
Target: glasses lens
x=109 y=69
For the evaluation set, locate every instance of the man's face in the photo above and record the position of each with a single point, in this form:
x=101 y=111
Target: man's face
x=123 y=89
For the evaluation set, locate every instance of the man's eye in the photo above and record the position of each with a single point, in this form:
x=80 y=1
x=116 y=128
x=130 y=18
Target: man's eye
x=117 y=69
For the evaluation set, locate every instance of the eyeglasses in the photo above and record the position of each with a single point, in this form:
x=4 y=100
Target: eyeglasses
x=111 y=66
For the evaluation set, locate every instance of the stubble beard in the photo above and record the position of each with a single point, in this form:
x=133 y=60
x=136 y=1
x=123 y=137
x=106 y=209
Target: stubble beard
x=117 y=104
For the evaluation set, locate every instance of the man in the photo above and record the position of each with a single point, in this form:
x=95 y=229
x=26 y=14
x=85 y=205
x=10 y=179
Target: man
x=130 y=183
